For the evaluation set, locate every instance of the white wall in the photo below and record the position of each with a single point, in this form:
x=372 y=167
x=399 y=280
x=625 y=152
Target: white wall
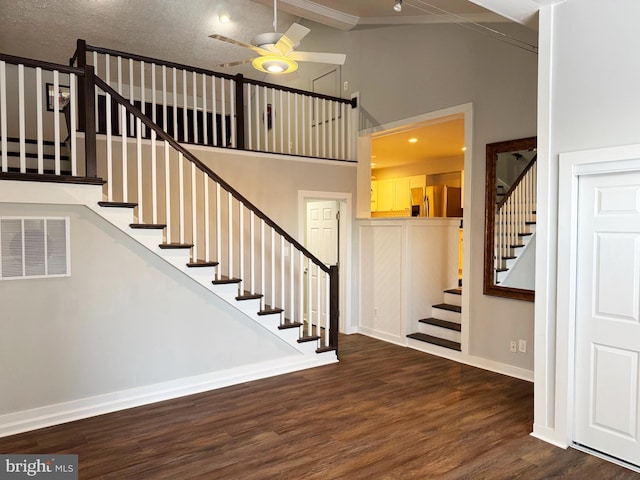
x=123 y=320
x=588 y=99
x=409 y=70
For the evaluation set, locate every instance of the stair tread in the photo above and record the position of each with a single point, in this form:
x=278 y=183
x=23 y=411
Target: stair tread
x=327 y=348
x=201 y=263
x=118 y=204
x=525 y=234
x=518 y=245
x=308 y=338
x=249 y=296
x=509 y=258
x=442 y=323
x=529 y=223
x=225 y=280
x=148 y=226
x=435 y=341
x=287 y=325
x=454 y=291
x=502 y=269
x=448 y=306
x=270 y=311
x=166 y=246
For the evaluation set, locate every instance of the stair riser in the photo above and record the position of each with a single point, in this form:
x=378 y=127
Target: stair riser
x=439 y=332
x=453 y=299
x=252 y=306
x=178 y=257
x=446 y=315
x=119 y=217
x=149 y=238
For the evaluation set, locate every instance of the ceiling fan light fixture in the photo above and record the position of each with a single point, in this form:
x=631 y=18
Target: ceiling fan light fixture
x=397 y=6
x=274 y=64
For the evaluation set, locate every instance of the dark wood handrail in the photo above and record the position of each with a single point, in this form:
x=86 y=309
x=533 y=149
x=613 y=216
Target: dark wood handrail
x=517 y=181
x=192 y=158
x=29 y=62
x=141 y=58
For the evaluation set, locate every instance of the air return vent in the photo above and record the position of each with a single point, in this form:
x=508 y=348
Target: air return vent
x=34 y=247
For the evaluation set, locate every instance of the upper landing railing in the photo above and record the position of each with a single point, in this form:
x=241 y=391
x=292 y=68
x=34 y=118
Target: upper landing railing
x=203 y=107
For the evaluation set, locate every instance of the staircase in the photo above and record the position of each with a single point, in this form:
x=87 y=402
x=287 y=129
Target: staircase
x=27 y=153
x=203 y=272
x=444 y=327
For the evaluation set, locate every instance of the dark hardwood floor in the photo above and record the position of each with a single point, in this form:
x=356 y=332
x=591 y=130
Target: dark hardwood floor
x=383 y=412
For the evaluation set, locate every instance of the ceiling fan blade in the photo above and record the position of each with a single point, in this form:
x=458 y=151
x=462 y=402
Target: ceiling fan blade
x=260 y=51
x=319 y=57
x=291 y=38
x=234 y=64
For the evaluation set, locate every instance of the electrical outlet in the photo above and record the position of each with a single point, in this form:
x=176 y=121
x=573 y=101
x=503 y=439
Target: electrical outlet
x=512 y=346
x=522 y=346
x=345 y=85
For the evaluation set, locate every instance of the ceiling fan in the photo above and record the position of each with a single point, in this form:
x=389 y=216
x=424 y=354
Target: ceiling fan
x=277 y=52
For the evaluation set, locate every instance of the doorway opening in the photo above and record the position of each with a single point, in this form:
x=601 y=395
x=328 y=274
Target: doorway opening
x=433 y=153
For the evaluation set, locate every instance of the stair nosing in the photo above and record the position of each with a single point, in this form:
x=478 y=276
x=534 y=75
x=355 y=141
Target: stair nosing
x=174 y=246
x=442 y=323
x=147 y=226
x=118 y=204
x=441 y=342
x=201 y=263
x=448 y=306
x=454 y=291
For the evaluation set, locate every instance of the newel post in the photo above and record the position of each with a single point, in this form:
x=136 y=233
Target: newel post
x=334 y=310
x=87 y=110
x=81 y=59
x=239 y=111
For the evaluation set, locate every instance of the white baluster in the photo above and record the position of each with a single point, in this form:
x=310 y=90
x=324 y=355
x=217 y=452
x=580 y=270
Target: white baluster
x=344 y=122
x=264 y=120
x=274 y=149
x=282 y=273
x=181 y=195
x=185 y=106
x=272 y=264
x=324 y=133
x=195 y=107
x=175 y=104
x=230 y=232
x=214 y=109
x=143 y=98
x=249 y=122
x=218 y=231
x=207 y=254
x=291 y=280
x=154 y=160
x=56 y=121
x=72 y=122
x=241 y=246
x=297 y=121
x=327 y=309
x=309 y=296
x=109 y=146
x=281 y=116
x=205 y=120
x=194 y=211
x=263 y=275
x=23 y=155
x=139 y=170
x=252 y=256
x=224 y=113
x=257 y=119
x=39 y=120
x=317 y=125
x=167 y=189
x=3 y=114
x=301 y=287
x=289 y=122
x=303 y=123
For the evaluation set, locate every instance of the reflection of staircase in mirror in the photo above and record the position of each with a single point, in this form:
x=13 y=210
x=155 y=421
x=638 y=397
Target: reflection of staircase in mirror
x=515 y=219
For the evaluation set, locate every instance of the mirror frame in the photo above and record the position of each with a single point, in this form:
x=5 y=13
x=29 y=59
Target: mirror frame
x=493 y=149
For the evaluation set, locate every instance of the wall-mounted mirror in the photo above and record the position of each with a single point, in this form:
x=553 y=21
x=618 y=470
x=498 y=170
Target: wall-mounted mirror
x=510 y=218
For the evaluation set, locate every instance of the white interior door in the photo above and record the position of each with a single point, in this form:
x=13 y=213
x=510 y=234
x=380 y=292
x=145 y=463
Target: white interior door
x=606 y=416
x=321 y=240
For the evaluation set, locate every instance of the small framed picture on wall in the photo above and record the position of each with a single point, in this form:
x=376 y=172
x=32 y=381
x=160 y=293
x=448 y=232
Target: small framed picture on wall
x=64 y=96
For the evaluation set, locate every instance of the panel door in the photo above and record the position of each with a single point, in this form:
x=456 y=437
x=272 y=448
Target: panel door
x=608 y=315
x=322 y=241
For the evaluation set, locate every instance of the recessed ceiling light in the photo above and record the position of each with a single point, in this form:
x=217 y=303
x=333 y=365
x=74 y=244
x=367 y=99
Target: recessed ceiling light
x=464 y=149
x=373 y=165
x=224 y=18
x=413 y=140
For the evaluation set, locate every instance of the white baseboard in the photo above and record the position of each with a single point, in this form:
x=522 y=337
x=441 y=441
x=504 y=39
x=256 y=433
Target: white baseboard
x=46 y=416
x=549 y=435
x=385 y=337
